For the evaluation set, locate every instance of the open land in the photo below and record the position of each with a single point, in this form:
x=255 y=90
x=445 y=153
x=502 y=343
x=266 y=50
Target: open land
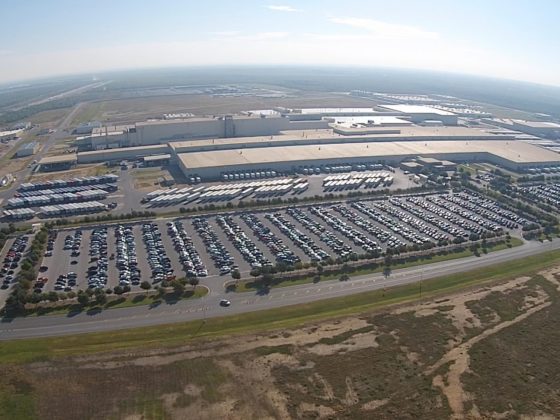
x=137 y=109
x=373 y=364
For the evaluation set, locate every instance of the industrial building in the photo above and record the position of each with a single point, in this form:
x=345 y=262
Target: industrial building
x=9 y=135
x=28 y=149
x=293 y=138
x=163 y=131
x=511 y=155
x=87 y=128
x=421 y=114
x=58 y=163
x=544 y=129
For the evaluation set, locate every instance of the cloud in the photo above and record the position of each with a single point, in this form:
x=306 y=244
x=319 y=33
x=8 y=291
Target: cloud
x=384 y=29
x=225 y=33
x=259 y=36
x=282 y=8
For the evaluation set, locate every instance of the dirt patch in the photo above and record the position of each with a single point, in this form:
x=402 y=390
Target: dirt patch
x=438 y=359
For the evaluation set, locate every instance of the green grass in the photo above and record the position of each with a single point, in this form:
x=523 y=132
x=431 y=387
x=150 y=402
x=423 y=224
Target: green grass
x=251 y=285
x=19 y=351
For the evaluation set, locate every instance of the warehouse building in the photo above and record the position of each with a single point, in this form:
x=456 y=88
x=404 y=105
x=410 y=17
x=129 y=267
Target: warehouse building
x=512 y=155
x=420 y=114
x=164 y=131
x=546 y=129
x=9 y=135
x=291 y=138
x=58 y=163
x=28 y=149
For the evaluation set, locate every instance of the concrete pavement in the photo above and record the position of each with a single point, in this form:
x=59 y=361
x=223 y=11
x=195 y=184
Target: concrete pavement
x=208 y=307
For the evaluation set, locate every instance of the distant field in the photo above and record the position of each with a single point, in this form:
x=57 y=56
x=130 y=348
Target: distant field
x=486 y=352
x=130 y=110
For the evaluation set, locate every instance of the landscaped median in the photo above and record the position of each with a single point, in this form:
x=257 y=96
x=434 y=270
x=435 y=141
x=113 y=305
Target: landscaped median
x=97 y=301
x=18 y=351
x=266 y=280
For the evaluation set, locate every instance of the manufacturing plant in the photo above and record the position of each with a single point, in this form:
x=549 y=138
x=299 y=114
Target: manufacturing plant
x=290 y=140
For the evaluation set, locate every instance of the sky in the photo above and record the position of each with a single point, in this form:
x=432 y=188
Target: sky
x=513 y=39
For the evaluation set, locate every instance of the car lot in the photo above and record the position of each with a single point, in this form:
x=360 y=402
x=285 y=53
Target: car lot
x=543 y=193
x=128 y=254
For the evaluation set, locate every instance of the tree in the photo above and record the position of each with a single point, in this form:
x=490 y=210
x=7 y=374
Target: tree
x=193 y=281
x=145 y=285
x=255 y=272
x=53 y=296
x=178 y=287
x=320 y=269
x=118 y=290
x=83 y=299
x=344 y=277
x=235 y=274
x=100 y=297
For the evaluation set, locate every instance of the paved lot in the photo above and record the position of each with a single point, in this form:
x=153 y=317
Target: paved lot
x=405 y=221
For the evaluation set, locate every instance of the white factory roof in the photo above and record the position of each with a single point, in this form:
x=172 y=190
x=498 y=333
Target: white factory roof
x=519 y=152
x=370 y=120
x=49 y=160
x=9 y=132
x=332 y=110
x=538 y=124
x=417 y=109
x=303 y=136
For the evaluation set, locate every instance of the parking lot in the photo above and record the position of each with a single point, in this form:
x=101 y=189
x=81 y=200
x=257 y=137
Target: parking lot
x=128 y=254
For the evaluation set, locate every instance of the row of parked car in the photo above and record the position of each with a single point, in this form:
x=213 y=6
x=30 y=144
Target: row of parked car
x=12 y=260
x=127 y=259
x=545 y=193
x=491 y=210
x=463 y=225
x=97 y=273
x=337 y=245
x=73 y=242
x=214 y=247
x=184 y=245
x=421 y=213
x=382 y=235
x=382 y=214
x=416 y=223
x=66 y=282
x=302 y=241
x=481 y=223
x=160 y=263
x=250 y=252
x=281 y=251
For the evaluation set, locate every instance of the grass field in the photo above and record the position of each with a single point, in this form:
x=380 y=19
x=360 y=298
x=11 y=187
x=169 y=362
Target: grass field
x=486 y=352
x=130 y=110
x=20 y=351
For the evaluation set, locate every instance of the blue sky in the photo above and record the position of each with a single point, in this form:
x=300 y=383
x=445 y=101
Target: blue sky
x=516 y=39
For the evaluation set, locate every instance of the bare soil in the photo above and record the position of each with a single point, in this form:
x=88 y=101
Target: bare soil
x=486 y=353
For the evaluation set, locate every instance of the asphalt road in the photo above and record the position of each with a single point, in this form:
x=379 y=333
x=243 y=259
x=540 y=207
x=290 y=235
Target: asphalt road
x=57 y=135
x=208 y=307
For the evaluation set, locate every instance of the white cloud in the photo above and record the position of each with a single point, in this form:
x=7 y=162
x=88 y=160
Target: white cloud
x=282 y=8
x=225 y=33
x=259 y=36
x=384 y=29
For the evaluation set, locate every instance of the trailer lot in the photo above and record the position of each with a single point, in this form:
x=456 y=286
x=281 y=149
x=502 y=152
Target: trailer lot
x=209 y=246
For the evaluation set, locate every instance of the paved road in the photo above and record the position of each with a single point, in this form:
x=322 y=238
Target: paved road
x=57 y=135
x=208 y=307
